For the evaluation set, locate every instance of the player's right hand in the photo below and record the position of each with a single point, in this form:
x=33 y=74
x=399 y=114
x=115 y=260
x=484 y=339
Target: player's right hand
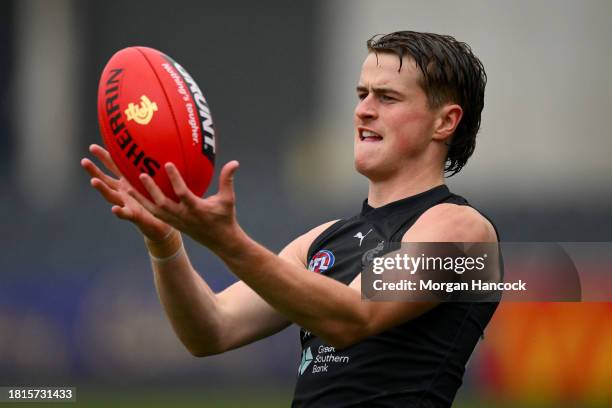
x=115 y=191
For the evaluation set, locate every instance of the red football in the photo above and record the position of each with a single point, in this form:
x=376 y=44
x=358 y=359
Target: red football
x=152 y=112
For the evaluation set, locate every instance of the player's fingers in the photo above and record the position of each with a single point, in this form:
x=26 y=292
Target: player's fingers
x=94 y=171
x=178 y=185
x=162 y=207
x=125 y=213
x=108 y=193
x=136 y=194
x=104 y=156
x=154 y=191
x=144 y=201
x=226 y=180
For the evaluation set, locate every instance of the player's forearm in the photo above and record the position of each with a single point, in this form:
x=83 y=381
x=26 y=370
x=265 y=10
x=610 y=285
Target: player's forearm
x=188 y=301
x=322 y=305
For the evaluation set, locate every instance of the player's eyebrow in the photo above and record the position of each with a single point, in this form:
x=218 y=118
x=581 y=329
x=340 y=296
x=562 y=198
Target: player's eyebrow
x=378 y=90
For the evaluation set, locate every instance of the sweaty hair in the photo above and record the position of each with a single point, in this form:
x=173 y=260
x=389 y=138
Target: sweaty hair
x=451 y=73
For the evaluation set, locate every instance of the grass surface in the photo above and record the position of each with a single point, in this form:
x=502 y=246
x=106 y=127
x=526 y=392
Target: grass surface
x=173 y=399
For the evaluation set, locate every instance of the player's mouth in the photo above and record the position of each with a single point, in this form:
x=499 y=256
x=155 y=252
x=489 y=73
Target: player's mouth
x=366 y=135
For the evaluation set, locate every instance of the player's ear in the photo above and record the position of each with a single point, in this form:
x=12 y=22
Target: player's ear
x=447 y=120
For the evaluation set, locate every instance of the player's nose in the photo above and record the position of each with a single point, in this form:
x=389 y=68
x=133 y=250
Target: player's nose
x=366 y=109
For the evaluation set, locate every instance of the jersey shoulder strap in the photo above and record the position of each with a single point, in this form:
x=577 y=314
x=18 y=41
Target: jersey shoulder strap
x=449 y=198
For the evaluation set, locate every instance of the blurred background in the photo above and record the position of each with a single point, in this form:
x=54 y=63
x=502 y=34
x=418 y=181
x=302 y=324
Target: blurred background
x=77 y=302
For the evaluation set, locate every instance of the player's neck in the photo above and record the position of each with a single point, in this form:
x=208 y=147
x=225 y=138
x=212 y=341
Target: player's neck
x=402 y=185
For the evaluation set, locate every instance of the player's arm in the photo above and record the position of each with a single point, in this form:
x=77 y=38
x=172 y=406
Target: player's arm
x=209 y=323
x=320 y=304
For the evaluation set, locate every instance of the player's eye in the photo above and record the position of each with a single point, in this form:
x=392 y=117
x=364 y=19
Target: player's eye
x=386 y=98
x=362 y=96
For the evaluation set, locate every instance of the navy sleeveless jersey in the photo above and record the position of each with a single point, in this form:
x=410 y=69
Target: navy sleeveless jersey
x=417 y=364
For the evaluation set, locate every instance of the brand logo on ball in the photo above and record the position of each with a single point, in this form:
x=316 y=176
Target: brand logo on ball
x=321 y=261
x=132 y=151
x=208 y=131
x=141 y=114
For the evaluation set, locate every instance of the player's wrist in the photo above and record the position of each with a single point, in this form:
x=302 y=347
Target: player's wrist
x=176 y=254
x=165 y=248
x=236 y=241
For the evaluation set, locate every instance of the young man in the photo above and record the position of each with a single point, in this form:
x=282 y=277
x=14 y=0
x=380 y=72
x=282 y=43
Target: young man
x=420 y=100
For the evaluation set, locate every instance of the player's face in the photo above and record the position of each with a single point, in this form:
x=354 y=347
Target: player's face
x=393 y=122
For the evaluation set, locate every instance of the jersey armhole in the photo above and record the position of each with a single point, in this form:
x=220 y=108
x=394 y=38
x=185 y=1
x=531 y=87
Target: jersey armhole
x=323 y=236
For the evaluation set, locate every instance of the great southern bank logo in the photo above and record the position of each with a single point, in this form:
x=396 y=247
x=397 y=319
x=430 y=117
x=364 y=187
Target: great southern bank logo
x=321 y=261
x=306 y=360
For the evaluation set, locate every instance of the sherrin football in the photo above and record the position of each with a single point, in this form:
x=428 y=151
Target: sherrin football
x=152 y=112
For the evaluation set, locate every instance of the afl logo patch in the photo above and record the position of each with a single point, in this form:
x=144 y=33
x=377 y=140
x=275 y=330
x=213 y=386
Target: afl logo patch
x=321 y=261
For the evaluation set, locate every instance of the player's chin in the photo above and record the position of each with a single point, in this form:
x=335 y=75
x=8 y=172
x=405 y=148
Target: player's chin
x=366 y=166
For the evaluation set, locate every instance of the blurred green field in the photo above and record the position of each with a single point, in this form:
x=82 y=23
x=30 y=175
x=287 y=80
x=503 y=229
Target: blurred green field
x=183 y=401
x=188 y=401
x=175 y=399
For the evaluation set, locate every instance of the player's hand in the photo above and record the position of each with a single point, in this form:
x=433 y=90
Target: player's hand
x=211 y=221
x=116 y=191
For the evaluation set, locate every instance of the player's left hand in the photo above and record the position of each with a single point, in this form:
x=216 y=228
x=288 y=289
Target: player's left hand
x=211 y=221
